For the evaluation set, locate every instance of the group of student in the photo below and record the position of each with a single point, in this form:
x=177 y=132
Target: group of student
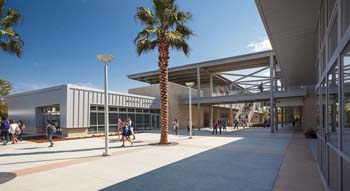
x=221 y=125
x=125 y=130
x=176 y=126
x=11 y=131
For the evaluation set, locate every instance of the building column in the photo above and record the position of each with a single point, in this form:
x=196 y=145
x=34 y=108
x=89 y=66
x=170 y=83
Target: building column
x=198 y=98
x=211 y=116
x=231 y=114
x=276 y=118
x=272 y=105
x=211 y=85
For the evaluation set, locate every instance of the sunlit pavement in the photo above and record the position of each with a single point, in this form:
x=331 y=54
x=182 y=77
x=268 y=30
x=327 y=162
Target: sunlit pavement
x=236 y=160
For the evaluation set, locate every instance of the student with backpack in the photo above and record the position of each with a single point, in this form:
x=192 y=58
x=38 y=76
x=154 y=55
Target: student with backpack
x=5 y=126
x=126 y=133
x=21 y=127
x=14 y=130
x=50 y=130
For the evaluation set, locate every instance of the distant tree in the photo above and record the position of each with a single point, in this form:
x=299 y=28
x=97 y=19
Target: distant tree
x=10 y=41
x=164 y=28
x=5 y=88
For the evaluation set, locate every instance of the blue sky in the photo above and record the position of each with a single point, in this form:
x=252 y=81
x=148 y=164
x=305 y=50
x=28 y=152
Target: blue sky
x=62 y=38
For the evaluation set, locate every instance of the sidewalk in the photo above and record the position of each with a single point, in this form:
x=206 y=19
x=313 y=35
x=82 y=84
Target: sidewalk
x=239 y=160
x=299 y=170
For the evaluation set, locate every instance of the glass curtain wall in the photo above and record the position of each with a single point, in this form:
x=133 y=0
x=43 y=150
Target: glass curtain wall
x=333 y=88
x=140 y=117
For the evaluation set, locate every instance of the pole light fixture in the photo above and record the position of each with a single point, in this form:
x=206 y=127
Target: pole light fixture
x=190 y=85
x=106 y=59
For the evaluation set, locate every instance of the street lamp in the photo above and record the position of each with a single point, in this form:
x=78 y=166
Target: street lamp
x=189 y=85
x=106 y=59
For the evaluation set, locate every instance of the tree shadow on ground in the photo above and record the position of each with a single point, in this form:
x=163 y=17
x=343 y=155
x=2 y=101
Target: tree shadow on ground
x=221 y=168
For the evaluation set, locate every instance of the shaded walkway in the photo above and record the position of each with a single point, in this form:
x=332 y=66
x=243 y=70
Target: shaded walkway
x=299 y=170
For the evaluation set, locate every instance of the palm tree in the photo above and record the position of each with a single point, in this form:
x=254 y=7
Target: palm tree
x=164 y=28
x=10 y=41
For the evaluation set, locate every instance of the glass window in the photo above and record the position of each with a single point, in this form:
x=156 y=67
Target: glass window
x=138 y=121
x=101 y=119
x=333 y=170
x=333 y=105
x=323 y=108
x=101 y=108
x=131 y=110
x=113 y=109
x=346 y=175
x=122 y=109
x=92 y=108
x=139 y=110
x=333 y=38
x=346 y=14
x=317 y=102
x=93 y=119
x=346 y=101
x=132 y=116
x=92 y=130
x=123 y=116
x=113 y=118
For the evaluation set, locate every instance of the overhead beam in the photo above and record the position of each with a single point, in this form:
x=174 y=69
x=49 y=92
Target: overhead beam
x=253 y=76
x=262 y=69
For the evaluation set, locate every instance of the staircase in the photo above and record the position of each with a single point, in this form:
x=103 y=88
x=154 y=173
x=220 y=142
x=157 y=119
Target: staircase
x=246 y=109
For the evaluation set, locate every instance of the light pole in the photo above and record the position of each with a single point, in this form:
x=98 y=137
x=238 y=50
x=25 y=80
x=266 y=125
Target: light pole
x=189 y=85
x=106 y=59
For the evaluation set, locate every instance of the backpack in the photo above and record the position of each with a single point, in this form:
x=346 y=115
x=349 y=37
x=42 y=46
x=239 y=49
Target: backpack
x=5 y=125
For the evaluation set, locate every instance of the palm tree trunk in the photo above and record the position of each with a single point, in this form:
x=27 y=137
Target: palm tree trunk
x=163 y=85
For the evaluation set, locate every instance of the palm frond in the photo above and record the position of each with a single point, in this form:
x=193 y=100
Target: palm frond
x=12 y=18
x=146 y=16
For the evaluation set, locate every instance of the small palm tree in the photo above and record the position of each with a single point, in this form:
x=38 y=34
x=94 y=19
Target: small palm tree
x=10 y=41
x=164 y=28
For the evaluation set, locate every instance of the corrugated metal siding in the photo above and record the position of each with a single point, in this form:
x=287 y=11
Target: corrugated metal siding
x=79 y=101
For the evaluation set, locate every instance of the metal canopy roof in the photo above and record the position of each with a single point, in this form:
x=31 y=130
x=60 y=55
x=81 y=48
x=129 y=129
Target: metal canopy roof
x=187 y=73
x=291 y=27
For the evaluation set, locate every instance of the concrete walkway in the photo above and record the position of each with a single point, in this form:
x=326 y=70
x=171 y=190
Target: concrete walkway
x=244 y=160
x=299 y=170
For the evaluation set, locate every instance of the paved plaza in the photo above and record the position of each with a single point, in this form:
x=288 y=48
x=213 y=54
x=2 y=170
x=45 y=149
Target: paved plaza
x=251 y=159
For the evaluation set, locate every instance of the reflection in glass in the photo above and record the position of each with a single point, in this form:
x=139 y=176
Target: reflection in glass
x=346 y=101
x=333 y=105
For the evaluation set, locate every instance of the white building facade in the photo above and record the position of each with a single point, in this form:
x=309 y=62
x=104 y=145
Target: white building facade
x=78 y=111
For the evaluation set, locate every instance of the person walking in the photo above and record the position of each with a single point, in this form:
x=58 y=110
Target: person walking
x=131 y=128
x=22 y=126
x=126 y=133
x=220 y=126
x=50 y=130
x=175 y=126
x=215 y=128
x=119 y=130
x=235 y=121
x=188 y=125
x=224 y=124
x=5 y=126
x=14 y=130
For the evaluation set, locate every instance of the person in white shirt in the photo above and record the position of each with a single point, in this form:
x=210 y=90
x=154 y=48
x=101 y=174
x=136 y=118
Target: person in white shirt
x=131 y=127
x=14 y=130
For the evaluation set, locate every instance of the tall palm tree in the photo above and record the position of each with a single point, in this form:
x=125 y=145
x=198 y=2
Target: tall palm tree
x=164 y=28
x=10 y=41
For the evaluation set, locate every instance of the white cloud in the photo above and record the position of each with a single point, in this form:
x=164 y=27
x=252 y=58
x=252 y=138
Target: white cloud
x=256 y=46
